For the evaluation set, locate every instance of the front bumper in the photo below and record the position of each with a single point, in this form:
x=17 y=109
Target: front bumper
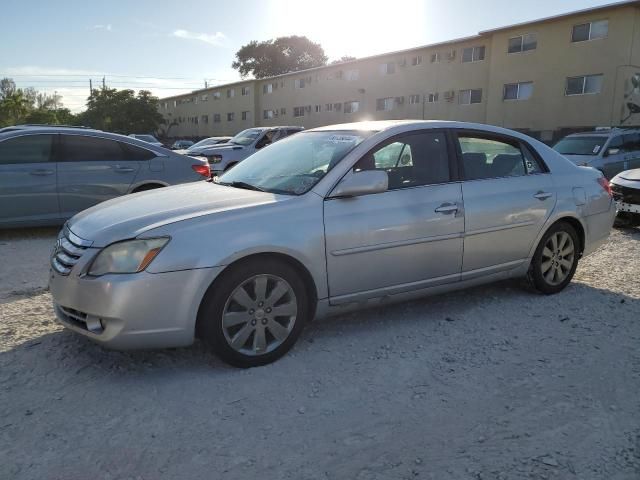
x=627 y=207
x=131 y=311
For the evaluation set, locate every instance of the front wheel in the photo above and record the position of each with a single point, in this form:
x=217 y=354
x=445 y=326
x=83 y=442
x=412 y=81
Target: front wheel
x=255 y=313
x=555 y=260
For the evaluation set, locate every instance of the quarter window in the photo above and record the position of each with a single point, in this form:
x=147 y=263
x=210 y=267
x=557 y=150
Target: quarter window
x=584 y=84
x=523 y=43
x=518 y=91
x=590 y=31
x=473 y=54
x=26 y=149
x=491 y=158
x=410 y=160
x=135 y=153
x=80 y=148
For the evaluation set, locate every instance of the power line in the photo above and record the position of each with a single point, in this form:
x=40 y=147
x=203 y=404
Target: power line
x=87 y=75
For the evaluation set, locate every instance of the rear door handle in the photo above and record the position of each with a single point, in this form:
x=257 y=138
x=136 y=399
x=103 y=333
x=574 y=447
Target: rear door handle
x=543 y=195
x=118 y=168
x=41 y=172
x=447 y=208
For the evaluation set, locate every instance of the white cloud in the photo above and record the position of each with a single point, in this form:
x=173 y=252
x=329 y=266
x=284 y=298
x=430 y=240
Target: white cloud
x=210 y=38
x=106 y=27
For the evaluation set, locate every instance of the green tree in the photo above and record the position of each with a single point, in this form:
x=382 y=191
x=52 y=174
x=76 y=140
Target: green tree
x=122 y=111
x=278 y=56
x=14 y=108
x=344 y=58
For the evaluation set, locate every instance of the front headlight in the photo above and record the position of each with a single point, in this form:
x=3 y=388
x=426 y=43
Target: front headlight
x=131 y=256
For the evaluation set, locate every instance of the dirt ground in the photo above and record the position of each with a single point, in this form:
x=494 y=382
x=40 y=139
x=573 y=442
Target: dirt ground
x=491 y=383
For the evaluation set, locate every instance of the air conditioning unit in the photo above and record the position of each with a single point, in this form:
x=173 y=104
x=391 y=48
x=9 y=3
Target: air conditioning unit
x=399 y=100
x=451 y=56
x=449 y=95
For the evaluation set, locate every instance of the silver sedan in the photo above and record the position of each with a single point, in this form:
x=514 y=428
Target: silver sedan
x=326 y=221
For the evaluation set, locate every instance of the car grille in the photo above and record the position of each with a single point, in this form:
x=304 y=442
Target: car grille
x=68 y=250
x=625 y=194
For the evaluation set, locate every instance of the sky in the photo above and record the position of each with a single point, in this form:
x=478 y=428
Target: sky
x=172 y=47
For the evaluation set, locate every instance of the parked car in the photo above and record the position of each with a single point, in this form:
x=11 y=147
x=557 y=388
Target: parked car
x=223 y=157
x=611 y=151
x=181 y=144
x=147 y=138
x=48 y=174
x=328 y=220
x=626 y=192
x=202 y=145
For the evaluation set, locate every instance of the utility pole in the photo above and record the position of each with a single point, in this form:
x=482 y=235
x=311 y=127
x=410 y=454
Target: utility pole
x=205 y=83
x=103 y=84
x=90 y=88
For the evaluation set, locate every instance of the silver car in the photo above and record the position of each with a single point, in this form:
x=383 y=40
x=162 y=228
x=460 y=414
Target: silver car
x=48 y=174
x=326 y=221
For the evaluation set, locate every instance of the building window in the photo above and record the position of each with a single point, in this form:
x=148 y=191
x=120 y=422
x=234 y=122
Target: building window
x=298 y=111
x=435 y=57
x=352 y=75
x=299 y=83
x=523 y=43
x=388 y=68
x=230 y=117
x=416 y=60
x=351 y=107
x=414 y=99
x=245 y=91
x=205 y=97
x=245 y=115
x=584 y=85
x=267 y=114
x=205 y=118
x=318 y=108
x=329 y=107
x=195 y=120
x=283 y=111
x=384 y=104
x=267 y=88
x=518 y=91
x=467 y=97
x=231 y=92
x=216 y=118
x=216 y=95
x=590 y=31
x=473 y=54
x=432 y=97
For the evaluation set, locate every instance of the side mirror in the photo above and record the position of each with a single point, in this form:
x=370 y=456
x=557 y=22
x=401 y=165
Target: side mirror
x=365 y=182
x=611 y=151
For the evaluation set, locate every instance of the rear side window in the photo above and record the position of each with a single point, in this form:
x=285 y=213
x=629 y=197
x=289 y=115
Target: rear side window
x=485 y=157
x=631 y=142
x=79 y=148
x=26 y=149
x=135 y=153
x=410 y=160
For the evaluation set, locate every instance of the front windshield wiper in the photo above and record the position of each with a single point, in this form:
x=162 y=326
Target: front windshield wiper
x=245 y=185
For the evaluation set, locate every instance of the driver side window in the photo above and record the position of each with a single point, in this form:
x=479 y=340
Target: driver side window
x=267 y=139
x=410 y=160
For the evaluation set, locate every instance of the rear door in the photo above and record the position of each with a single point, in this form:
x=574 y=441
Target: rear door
x=92 y=169
x=28 y=179
x=508 y=196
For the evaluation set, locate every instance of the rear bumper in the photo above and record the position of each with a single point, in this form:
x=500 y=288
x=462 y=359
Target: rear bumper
x=143 y=310
x=598 y=229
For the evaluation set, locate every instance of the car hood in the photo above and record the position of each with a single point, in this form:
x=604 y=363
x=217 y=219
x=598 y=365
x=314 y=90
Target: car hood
x=220 y=148
x=633 y=175
x=132 y=215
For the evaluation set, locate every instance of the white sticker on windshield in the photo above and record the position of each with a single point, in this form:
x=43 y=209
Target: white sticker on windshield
x=596 y=149
x=343 y=138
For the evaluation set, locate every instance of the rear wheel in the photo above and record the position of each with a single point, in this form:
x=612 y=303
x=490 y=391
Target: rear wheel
x=555 y=260
x=255 y=313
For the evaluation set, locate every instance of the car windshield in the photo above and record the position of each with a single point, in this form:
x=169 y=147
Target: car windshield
x=580 y=145
x=294 y=165
x=246 y=137
x=147 y=138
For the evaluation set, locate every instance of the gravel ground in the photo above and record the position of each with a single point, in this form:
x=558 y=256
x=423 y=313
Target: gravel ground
x=490 y=383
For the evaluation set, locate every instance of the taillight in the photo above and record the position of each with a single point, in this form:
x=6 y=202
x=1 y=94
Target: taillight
x=203 y=170
x=604 y=183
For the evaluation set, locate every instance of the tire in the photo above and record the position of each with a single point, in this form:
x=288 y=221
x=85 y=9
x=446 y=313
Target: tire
x=238 y=321
x=551 y=268
x=626 y=220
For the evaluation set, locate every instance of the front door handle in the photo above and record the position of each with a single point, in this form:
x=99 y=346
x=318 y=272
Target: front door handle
x=118 y=168
x=447 y=208
x=41 y=172
x=543 y=195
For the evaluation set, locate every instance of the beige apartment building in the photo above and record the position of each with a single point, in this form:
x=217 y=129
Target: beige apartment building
x=547 y=77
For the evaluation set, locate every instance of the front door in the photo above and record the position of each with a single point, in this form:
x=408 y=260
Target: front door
x=404 y=239
x=28 y=179
x=91 y=170
x=508 y=196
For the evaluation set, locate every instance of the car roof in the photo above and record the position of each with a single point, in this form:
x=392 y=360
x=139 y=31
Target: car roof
x=605 y=132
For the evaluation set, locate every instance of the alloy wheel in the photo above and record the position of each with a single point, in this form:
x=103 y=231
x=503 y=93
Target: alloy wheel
x=558 y=257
